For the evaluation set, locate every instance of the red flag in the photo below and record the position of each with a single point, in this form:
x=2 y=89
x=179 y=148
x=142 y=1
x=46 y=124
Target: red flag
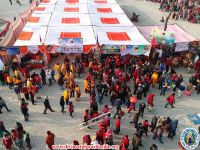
x=153 y=43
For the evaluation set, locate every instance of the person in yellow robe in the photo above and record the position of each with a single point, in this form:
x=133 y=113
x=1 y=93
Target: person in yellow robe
x=66 y=96
x=63 y=69
x=77 y=92
x=154 y=78
x=67 y=79
x=86 y=83
x=18 y=81
x=9 y=81
x=72 y=67
x=71 y=75
x=57 y=68
x=28 y=83
x=16 y=73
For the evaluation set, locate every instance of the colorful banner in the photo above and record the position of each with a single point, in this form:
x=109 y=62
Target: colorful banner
x=125 y=49
x=33 y=49
x=70 y=45
x=12 y=50
x=110 y=49
x=163 y=37
x=135 y=49
x=181 y=47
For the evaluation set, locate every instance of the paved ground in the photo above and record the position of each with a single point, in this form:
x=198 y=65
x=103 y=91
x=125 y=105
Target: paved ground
x=66 y=128
x=7 y=11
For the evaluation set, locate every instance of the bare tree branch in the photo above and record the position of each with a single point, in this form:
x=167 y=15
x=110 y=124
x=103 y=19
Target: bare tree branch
x=170 y=13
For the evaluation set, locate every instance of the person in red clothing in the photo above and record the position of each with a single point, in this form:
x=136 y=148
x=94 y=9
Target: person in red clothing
x=133 y=101
x=86 y=117
x=32 y=95
x=99 y=137
x=125 y=142
x=145 y=126
x=24 y=90
x=170 y=100
x=71 y=108
x=50 y=140
x=7 y=141
x=35 y=89
x=117 y=124
x=87 y=140
x=150 y=100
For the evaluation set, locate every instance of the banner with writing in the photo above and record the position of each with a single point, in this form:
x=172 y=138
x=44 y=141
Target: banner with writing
x=70 y=45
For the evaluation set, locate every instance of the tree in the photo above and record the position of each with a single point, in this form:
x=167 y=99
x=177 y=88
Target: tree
x=170 y=13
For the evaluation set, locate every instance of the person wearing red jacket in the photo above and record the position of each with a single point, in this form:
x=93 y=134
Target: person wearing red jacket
x=125 y=142
x=7 y=141
x=24 y=90
x=170 y=100
x=145 y=126
x=150 y=100
x=87 y=140
x=50 y=140
x=117 y=124
x=86 y=117
x=71 y=108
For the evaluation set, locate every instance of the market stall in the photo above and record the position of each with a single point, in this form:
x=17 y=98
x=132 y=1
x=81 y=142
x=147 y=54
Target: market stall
x=110 y=20
x=179 y=50
x=84 y=32
x=104 y=9
x=128 y=39
x=62 y=2
x=38 y=20
x=102 y=2
x=44 y=9
x=58 y=20
x=71 y=8
x=48 y=2
x=31 y=36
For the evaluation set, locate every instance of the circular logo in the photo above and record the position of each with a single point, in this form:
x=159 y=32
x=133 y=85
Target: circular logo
x=189 y=138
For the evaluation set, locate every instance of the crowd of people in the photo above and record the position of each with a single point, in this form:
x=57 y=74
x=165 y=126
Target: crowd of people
x=188 y=10
x=125 y=80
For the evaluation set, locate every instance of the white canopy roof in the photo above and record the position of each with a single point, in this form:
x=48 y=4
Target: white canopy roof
x=75 y=8
x=102 y=2
x=120 y=36
x=69 y=19
x=110 y=20
x=105 y=8
x=30 y=36
x=44 y=9
x=61 y=2
x=85 y=32
x=48 y=2
x=38 y=19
